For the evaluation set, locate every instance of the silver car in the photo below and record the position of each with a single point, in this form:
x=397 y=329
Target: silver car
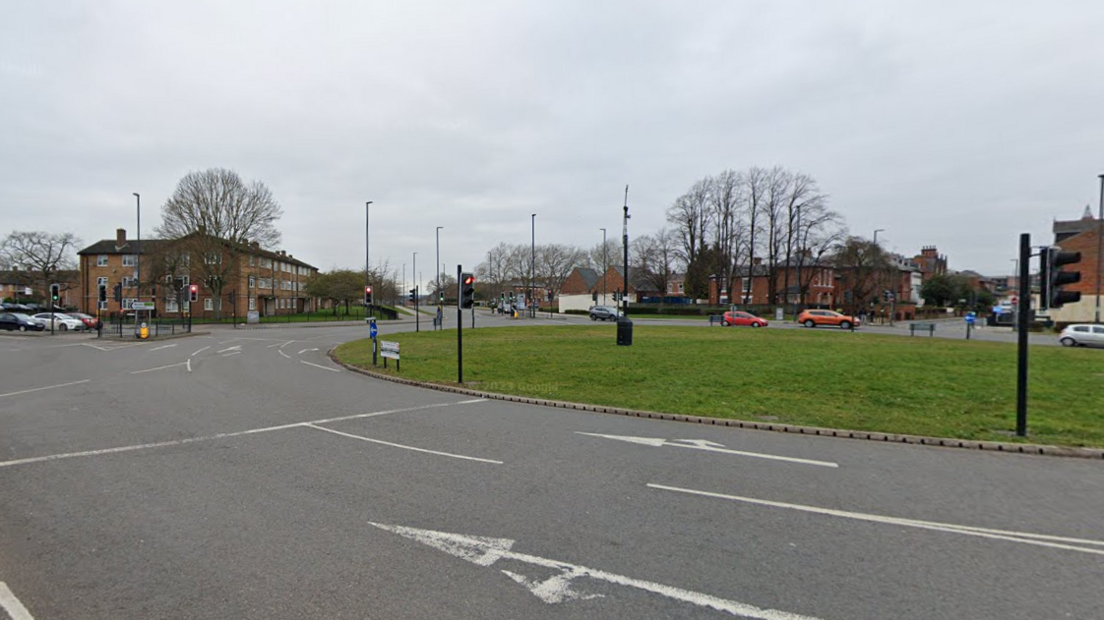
x=62 y=322
x=1083 y=335
x=605 y=313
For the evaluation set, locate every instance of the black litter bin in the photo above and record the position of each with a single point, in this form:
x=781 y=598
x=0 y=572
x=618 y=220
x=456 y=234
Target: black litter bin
x=624 y=332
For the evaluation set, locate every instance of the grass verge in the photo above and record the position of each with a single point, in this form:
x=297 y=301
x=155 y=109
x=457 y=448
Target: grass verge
x=831 y=378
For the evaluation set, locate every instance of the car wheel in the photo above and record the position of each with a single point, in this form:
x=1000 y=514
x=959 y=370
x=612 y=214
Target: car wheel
x=22 y=328
x=810 y=323
x=756 y=324
x=845 y=324
x=724 y=323
x=63 y=327
x=1068 y=342
x=593 y=318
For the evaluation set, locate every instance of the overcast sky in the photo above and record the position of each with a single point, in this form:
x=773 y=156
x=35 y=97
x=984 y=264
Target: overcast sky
x=954 y=124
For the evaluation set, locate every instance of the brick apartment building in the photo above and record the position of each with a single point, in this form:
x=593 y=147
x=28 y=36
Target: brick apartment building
x=270 y=283
x=1084 y=236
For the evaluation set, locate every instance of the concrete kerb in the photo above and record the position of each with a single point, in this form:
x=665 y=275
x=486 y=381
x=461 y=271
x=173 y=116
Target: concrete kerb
x=944 y=442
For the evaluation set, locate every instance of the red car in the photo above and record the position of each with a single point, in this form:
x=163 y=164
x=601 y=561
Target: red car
x=90 y=322
x=743 y=318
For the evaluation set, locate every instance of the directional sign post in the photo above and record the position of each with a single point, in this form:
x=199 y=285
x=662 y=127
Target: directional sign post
x=372 y=331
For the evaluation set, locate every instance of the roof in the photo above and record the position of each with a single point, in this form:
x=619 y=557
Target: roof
x=590 y=276
x=1068 y=228
x=149 y=246
x=23 y=277
x=638 y=278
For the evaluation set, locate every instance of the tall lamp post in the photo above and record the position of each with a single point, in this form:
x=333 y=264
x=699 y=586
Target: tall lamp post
x=876 y=231
x=532 y=262
x=367 y=255
x=800 y=258
x=138 y=266
x=1100 y=249
x=438 y=264
x=604 y=267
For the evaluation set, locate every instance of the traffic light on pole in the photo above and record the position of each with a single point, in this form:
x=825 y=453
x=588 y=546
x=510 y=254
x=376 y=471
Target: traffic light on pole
x=368 y=295
x=55 y=293
x=193 y=292
x=413 y=293
x=467 y=290
x=118 y=293
x=1056 y=278
x=102 y=293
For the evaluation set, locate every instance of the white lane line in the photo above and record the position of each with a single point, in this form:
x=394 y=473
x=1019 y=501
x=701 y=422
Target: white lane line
x=229 y=341
x=474 y=400
x=399 y=445
x=1020 y=537
x=281 y=352
x=189 y=361
x=48 y=387
x=236 y=347
x=286 y=343
x=305 y=350
x=318 y=365
x=232 y=353
x=146 y=446
x=202 y=350
x=561 y=586
x=166 y=346
x=10 y=604
x=138 y=372
x=707 y=446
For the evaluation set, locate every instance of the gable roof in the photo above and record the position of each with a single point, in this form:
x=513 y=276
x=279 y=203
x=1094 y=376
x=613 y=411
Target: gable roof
x=590 y=276
x=150 y=246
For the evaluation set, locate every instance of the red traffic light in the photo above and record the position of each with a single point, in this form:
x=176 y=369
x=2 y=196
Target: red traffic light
x=367 y=290
x=469 y=280
x=193 y=288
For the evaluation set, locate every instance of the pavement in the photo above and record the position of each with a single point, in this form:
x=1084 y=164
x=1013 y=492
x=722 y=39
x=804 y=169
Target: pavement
x=242 y=474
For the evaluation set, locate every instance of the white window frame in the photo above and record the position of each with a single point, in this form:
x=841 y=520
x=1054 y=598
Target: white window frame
x=101 y=281
x=252 y=282
x=252 y=303
x=171 y=307
x=208 y=304
x=102 y=305
x=130 y=260
x=101 y=260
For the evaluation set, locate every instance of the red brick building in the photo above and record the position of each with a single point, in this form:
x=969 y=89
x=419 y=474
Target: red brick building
x=1084 y=236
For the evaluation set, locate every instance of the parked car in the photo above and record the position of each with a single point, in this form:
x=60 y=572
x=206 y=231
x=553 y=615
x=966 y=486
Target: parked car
x=90 y=322
x=1082 y=335
x=15 y=321
x=14 y=307
x=740 y=317
x=605 y=313
x=816 y=318
x=62 y=322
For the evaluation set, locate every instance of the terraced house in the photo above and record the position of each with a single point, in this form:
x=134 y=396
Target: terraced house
x=232 y=279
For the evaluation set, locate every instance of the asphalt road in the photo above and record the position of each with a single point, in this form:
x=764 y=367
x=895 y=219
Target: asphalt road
x=242 y=475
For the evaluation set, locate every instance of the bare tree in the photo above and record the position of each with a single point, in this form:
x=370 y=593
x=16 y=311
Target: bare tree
x=555 y=262
x=731 y=235
x=864 y=267
x=657 y=257
x=690 y=218
x=39 y=256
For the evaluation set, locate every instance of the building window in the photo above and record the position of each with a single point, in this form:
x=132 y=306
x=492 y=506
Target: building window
x=252 y=282
x=102 y=305
x=212 y=258
x=252 y=260
x=130 y=260
x=101 y=281
x=252 y=303
x=208 y=304
x=171 y=306
x=101 y=260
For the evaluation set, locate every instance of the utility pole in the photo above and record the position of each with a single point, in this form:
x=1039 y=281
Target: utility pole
x=604 y=267
x=1100 y=250
x=367 y=254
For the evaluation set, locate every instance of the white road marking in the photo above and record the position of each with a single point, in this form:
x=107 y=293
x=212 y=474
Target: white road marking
x=708 y=446
x=10 y=604
x=162 y=347
x=281 y=352
x=485 y=551
x=286 y=343
x=236 y=347
x=399 y=445
x=232 y=353
x=229 y=341
x=145 y=446
x=305 y=350
x=202 y=350
x=48 y=387
x=474 y=400
x=189 y=361
x=138 y=372
x=318 y=365
x=1020 y=537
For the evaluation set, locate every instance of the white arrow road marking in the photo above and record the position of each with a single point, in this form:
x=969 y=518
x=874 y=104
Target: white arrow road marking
x=166 y=346
x=281 y=352
x=305 y=350
x=484 y=551
x=202 y=350
x=48 y=387
x=1020 y=537
x=236 y=347
x=138 y=372
x=399 y=445
x=10 y=604
x=708 y=446
x=232 y=353
x=319 y=366
x=189 y=362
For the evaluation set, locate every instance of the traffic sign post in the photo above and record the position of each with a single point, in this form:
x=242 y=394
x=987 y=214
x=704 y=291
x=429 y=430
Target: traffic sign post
x=372 y=332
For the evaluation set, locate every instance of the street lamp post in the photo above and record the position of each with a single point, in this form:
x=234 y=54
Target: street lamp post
x=1100 y=249
x=438 y=278
x=876 y=231
x=797 y=299
x=604 y=267
x=138 y=243
x=367 y=255
x=413 y=275
x=532 y=263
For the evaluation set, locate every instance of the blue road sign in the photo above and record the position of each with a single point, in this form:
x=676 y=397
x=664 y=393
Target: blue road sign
x=372 y=329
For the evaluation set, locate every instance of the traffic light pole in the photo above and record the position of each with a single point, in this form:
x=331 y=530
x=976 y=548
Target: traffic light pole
x=459 y=326
x=1022 y=315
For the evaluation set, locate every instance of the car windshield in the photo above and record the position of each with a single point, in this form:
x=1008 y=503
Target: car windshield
x=21 y=316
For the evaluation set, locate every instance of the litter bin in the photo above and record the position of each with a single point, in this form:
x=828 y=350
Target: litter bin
x=624 y=332
x=143 y=332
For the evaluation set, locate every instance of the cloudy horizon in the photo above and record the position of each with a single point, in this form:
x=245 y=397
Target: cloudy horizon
x=954 y=125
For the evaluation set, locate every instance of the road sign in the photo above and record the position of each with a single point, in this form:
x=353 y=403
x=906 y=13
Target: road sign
x=372 y=329
x=389 y=349
x=142 y=305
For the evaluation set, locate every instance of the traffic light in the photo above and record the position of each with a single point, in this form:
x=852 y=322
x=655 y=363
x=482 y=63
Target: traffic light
x=55 y=293
x=102 y=293
x=193 y=292
x=1054 y=278
x=119 y=293
x=368 y=295
x=467 y=290
x=413 y=294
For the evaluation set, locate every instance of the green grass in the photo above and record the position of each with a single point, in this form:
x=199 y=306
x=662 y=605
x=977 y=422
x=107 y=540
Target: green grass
x=831 y=378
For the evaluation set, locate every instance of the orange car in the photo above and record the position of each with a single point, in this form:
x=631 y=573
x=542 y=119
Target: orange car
x=816 y=318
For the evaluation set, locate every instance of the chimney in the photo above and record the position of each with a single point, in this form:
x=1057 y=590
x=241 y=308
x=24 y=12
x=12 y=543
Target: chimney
x=120 y=238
